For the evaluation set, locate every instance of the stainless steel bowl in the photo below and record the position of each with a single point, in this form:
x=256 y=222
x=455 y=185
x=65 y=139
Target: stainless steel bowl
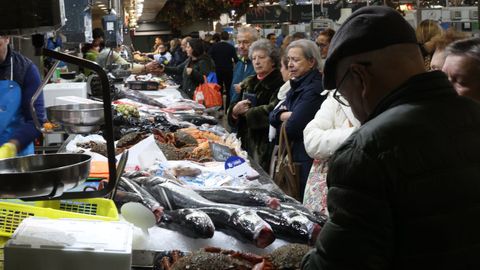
x=42 y=175
x=77 y=114
x=81 y=129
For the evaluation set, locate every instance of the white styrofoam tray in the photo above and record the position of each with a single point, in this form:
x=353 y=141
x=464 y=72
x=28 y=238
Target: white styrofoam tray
x=58 y=244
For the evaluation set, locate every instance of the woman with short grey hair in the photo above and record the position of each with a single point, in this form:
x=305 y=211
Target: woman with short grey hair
x=310 y=50
x=302 y=102
x=270 y=50
x=259 y=97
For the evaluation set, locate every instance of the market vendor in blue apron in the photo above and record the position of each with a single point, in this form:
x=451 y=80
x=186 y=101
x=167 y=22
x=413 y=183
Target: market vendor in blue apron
x=19 y=79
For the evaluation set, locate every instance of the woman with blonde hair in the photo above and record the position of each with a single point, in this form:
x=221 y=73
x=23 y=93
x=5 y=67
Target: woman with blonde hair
x=426 y=30
x=286 y=41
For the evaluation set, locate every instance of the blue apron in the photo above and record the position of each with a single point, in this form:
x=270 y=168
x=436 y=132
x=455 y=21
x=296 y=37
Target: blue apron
x=11 y=116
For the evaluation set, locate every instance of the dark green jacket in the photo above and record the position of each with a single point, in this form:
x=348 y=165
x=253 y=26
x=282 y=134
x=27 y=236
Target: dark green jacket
x=202 y=66
x=253 y=126
x=404 y=189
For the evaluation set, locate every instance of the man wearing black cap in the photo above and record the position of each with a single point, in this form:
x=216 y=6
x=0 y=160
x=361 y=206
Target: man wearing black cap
x=404 y=188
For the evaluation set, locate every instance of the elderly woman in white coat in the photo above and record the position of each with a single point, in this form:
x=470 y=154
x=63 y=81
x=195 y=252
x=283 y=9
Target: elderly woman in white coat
x=332 y=125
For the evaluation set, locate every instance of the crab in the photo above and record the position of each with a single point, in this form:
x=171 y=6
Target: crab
x=215 y=258
x=161 y=137
x=130 y=139
x=169 y=142
x=286 y=257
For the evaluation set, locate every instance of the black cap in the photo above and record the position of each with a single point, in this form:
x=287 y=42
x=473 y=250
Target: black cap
x=367 y=29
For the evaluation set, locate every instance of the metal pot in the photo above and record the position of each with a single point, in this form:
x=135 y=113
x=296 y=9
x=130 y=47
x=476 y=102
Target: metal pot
x=86 y=118
x=77 y=114
x=42 y=175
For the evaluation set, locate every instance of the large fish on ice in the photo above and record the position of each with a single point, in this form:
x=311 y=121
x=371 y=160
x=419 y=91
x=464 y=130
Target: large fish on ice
x=232 y=219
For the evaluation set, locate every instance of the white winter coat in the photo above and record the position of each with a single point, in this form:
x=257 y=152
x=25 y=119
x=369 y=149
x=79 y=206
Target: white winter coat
x=332 y=125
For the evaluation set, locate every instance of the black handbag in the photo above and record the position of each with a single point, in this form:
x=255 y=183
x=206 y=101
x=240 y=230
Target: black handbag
x=287 y=173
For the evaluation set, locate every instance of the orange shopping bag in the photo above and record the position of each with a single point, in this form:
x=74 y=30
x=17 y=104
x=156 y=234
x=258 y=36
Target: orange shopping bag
x=208 y=94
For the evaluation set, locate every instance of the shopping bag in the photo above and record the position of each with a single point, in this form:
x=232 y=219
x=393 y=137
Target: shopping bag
x=287 y=172
x=315 y=196
x=208 y=94
x=212 y=77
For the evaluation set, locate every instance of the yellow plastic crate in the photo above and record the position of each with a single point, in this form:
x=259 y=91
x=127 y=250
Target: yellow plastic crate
x=12 y=214
x=3 y=241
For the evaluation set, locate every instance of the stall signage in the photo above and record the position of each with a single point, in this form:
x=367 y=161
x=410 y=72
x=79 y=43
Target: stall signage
x=296 y=13
x=269 y=14
x=237 y=167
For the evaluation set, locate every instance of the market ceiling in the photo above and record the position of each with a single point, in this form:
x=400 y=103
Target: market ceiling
x=150 y=8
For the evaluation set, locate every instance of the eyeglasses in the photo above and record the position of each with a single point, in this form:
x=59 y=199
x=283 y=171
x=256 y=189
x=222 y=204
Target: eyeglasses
x=244 y=42
x=336 y=94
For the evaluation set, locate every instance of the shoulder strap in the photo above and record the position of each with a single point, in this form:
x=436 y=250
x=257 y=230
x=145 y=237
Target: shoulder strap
x=11 y=68
x=284 y=148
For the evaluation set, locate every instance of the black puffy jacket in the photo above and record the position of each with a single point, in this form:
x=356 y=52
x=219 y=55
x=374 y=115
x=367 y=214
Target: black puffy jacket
x=404 y=189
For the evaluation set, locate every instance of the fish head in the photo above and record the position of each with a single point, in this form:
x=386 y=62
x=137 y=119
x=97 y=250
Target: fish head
x=251 y=225
x=199 y=219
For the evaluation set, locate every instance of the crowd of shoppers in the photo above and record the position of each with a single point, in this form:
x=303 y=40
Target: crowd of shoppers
x=346 y=137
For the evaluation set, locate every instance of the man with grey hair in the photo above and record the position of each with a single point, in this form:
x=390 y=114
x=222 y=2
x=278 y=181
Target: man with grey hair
x=243 y=68
x=403 y=189
x=183 y=43
x=462 y=66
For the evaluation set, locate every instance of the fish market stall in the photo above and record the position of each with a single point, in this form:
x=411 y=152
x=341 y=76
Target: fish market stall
x=170 y=169
x=178 y=168
x=198 y=187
